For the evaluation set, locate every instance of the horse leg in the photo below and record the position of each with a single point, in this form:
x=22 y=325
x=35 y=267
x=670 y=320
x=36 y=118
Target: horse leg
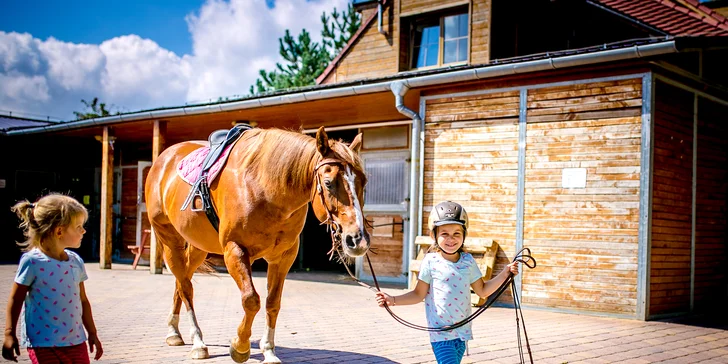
x=173 y=336
x=276 y=276
x=238 y=265
x=183 y=263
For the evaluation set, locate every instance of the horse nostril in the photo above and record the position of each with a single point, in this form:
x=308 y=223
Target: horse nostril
x=350 y=243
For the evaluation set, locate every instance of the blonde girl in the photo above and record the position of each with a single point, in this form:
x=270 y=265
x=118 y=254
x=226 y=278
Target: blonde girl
x=49 y=282
x=446 y=276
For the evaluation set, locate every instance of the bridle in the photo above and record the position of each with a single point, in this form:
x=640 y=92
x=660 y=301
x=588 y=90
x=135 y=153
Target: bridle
x=523 y=256
x=333 y=227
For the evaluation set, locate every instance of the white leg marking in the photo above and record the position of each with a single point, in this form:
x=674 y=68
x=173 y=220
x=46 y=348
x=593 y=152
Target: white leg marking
x=173 y=325
x=268 y=346
x=195 y=332
x=350 y=177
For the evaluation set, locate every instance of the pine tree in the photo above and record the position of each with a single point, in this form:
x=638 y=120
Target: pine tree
x=306 y=60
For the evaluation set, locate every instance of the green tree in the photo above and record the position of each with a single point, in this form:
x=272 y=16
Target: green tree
x=337 y=31
x=305 y=59
x=94 y=109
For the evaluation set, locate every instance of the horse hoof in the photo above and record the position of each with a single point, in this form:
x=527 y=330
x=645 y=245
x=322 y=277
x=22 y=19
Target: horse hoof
x=199 y=353
x=239 y=357
x=175 y=340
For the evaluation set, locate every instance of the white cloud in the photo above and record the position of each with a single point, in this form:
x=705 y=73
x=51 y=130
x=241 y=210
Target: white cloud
x=231 y=41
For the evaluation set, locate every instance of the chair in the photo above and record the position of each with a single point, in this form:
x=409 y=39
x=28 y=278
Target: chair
x=138 y=250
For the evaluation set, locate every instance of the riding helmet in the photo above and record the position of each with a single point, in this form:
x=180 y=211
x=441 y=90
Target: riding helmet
x=447 y=212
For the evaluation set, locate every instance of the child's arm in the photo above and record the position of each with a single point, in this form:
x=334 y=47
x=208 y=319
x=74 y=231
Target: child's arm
x=11 y=349
x=485 y=289
x=410 y=298
x=88 y=323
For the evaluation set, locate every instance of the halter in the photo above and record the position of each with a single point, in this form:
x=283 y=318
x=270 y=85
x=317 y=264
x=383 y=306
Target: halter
x=333 y=227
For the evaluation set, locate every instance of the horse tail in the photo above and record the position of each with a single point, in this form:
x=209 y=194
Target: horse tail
x=206 y=267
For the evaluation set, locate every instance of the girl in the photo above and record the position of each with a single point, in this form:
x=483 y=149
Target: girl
x=446 y=275
x=50 y=283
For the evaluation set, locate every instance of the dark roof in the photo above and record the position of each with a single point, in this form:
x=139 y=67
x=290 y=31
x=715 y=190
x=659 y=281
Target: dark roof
x=11 y=122
x=672 y=17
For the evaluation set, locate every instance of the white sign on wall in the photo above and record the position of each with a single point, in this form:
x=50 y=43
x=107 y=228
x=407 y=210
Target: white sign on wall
x=2 y=183
x=573 y=178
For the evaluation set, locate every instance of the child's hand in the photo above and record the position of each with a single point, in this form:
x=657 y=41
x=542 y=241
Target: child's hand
x=94 y=342
x=11 y=349
x=383 y=297
x=513 y=268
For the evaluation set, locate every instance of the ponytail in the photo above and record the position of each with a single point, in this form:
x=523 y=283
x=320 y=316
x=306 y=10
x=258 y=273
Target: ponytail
x=39 y=220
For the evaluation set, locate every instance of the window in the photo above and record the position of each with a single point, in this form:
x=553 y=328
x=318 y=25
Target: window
x=439 y=41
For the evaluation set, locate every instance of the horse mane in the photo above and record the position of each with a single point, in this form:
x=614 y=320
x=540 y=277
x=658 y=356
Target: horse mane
x=282 y=159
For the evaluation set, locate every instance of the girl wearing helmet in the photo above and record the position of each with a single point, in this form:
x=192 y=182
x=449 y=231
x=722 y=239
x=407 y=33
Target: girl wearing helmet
x=446 y=275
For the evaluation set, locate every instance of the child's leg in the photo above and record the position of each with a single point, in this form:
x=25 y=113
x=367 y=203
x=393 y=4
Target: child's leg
x=77 y=354
x=449 y=352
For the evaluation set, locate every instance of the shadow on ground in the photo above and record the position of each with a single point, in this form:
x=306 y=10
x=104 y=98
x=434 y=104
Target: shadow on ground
x=717 y=320
x=298 y=355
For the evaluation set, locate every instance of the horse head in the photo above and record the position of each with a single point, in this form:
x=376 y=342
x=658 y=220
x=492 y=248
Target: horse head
x=338 y=196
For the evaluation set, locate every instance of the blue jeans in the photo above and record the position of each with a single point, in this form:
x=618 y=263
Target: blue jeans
x=449 y=352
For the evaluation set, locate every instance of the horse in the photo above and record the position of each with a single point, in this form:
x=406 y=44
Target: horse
x=261 y=196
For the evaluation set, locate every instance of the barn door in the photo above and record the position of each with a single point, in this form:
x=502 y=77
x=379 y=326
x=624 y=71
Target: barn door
x=142 y=222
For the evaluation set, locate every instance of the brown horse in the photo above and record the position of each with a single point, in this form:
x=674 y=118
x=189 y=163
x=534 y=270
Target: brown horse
x=261 y=197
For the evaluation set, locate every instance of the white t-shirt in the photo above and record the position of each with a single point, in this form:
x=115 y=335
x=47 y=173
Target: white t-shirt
x=448 y=300
x=53 y=305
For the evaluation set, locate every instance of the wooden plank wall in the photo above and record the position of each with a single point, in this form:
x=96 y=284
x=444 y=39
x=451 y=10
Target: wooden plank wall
x=471 y=157
x=671 y=201
x=711 y=225
x=373 y=54
x=128 y=210
x=388 y=258
x=584 y=239
x=378 y=55
x=480 y=31
x=423 y=6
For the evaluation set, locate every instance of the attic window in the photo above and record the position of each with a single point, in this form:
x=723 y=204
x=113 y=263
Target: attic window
x=439 y=40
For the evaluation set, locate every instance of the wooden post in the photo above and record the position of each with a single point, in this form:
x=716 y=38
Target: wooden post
x=107 y=196
x=156 y=251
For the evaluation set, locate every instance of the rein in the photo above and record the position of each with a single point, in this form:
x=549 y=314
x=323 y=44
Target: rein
x=523 y=256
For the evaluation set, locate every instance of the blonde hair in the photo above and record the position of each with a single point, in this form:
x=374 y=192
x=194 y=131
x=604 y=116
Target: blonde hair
x=40 y=219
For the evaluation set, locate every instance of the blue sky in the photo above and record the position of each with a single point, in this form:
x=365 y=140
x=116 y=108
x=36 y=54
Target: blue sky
x=136 y=55
x=95 y=21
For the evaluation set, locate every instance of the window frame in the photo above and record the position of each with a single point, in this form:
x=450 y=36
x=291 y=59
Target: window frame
x=441 y=39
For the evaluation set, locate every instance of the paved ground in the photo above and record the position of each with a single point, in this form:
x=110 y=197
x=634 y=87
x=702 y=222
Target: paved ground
x=327 y=319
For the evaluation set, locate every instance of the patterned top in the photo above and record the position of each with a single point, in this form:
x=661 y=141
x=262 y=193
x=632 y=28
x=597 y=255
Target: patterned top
x=448 y=299
x=53 y=305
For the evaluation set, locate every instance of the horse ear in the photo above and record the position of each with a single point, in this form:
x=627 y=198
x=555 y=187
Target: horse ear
x=322 y=141
x=355 y=146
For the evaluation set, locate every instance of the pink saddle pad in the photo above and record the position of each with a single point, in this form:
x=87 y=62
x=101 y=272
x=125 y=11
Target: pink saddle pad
x=190 y=167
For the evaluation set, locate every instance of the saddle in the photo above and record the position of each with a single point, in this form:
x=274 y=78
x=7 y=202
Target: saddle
x=219 y=140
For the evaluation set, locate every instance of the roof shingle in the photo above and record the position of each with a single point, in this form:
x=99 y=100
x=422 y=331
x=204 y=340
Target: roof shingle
x=671 y=17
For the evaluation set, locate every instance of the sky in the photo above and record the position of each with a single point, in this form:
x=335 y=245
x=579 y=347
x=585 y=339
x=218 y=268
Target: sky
x=135 y=54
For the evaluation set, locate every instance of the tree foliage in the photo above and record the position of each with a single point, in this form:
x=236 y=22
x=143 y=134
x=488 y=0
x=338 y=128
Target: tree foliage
x=94 y=109
x=305 y=59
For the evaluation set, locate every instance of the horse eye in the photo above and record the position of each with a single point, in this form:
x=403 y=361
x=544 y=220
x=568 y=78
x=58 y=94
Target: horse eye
x=327 y=183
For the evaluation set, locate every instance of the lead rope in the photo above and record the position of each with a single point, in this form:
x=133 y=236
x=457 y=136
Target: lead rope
x=523 y=256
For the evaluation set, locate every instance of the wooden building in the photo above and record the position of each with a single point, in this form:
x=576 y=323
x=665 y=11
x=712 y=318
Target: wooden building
x=589 y=131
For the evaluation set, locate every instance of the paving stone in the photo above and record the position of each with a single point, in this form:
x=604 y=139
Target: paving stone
x=325 y=318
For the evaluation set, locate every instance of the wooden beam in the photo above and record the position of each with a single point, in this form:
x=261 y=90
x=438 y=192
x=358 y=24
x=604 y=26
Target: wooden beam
x=107 y=196
x=156 y=251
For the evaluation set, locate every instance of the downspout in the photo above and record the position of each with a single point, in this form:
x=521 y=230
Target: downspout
x=399 y=89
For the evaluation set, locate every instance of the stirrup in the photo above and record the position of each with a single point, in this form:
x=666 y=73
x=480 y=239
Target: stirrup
x=195 y=196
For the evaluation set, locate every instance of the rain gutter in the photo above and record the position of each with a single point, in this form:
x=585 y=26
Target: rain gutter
x=489 y=71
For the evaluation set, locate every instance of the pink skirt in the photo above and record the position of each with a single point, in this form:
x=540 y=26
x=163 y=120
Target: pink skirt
x=77 y=354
